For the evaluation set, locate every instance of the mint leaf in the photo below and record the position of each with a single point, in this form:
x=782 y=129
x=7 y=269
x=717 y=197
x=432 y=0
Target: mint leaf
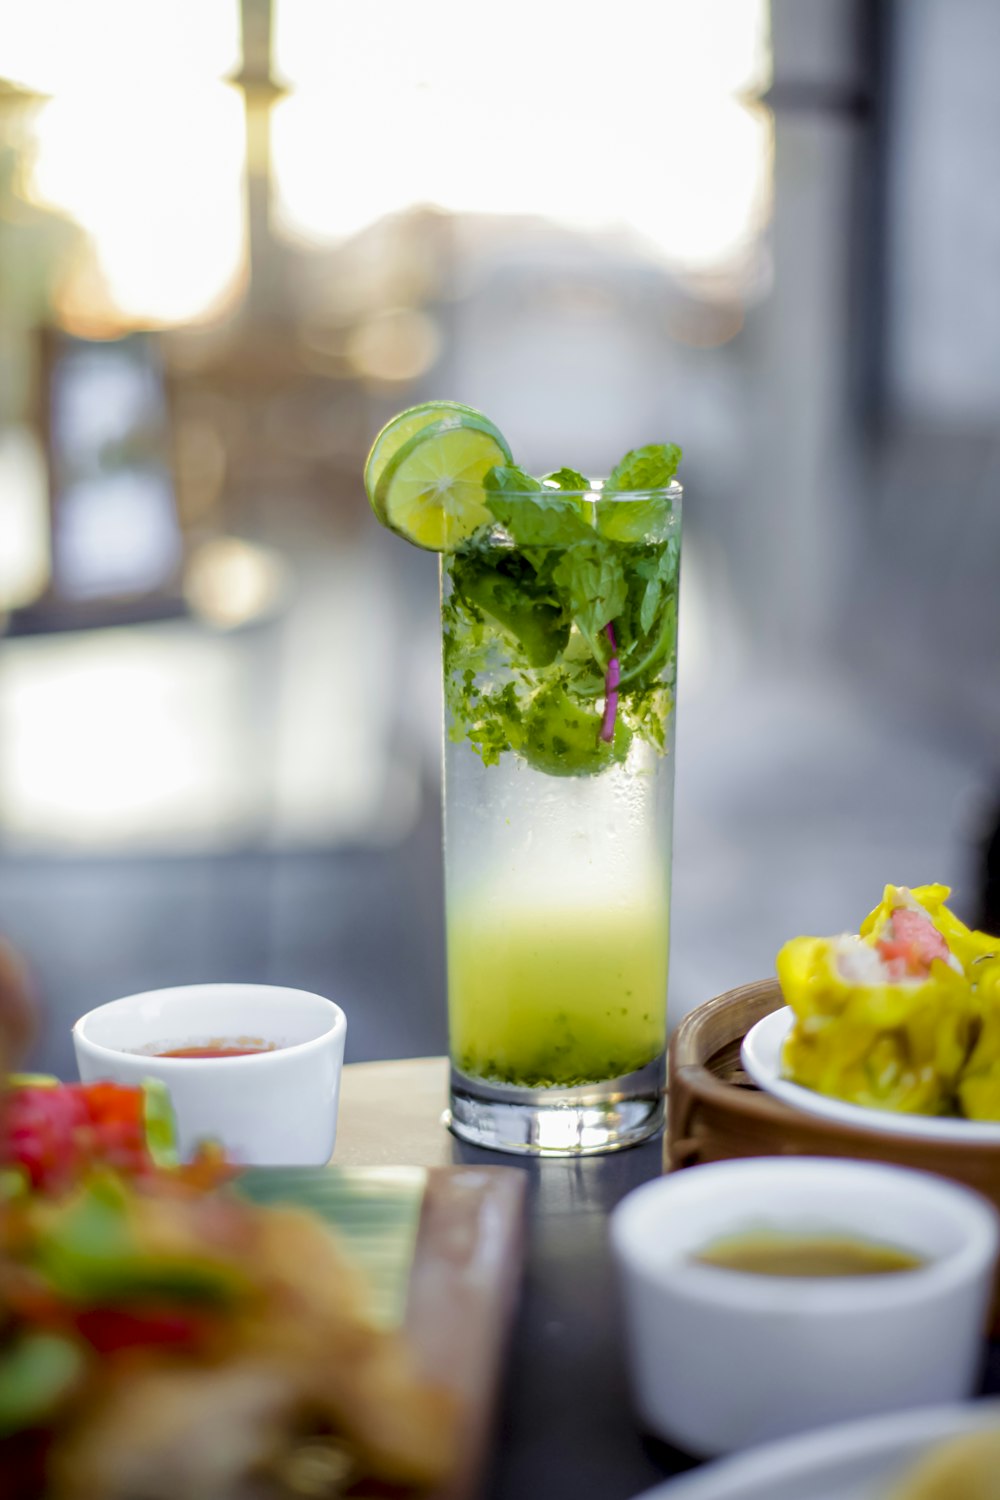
x=504 y=478
x=538 y=520
x=660 y=575
x=510 y=593
x=650 y=604
x=592 y=578
x=567 y=479
x=648 y=658
x=648 y=468
x=493 y=724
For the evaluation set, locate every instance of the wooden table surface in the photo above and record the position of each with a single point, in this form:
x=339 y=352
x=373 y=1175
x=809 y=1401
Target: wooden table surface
x=390 y=1115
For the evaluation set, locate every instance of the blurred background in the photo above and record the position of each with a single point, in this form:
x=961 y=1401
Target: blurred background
x=237 y=235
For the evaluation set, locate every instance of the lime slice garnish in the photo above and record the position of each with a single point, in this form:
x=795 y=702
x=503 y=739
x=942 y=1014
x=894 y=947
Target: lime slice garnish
x=431 y=490
x=402 y=427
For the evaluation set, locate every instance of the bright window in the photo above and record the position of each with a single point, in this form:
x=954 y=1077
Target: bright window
x=642 y=121
x=140 y=142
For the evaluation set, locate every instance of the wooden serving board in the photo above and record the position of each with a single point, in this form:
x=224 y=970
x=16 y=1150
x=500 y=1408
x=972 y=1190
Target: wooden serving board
x=443 y=1250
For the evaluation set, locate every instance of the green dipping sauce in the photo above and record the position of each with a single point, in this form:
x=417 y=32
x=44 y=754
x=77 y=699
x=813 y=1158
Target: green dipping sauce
x=774 y=1253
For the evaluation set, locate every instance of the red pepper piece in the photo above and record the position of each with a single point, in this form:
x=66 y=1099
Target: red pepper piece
x=110 y=1329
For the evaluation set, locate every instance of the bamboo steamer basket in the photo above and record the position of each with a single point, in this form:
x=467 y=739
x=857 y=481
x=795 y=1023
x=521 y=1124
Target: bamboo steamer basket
x=717 y=1113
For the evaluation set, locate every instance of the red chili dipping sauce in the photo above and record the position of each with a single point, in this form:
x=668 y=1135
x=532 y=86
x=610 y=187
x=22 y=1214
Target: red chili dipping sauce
x=241 y=1047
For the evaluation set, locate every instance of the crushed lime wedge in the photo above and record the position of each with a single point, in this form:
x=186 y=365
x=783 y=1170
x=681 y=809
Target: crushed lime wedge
x=562 y=737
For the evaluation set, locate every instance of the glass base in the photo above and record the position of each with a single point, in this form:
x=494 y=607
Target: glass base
x=581 y=1121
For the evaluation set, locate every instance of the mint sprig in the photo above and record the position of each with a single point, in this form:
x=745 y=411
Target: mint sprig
x=541 y=521
x=582 y=599
x=591 y=578
x=648 y=468
x=567 y=479
x=509 y=479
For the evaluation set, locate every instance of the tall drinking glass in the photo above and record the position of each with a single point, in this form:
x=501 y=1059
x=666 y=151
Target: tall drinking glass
x=559 y=636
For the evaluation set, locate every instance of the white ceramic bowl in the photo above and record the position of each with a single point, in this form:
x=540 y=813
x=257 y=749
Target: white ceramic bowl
x=761 y=1052
x=272 y=1108
x=721 y=1359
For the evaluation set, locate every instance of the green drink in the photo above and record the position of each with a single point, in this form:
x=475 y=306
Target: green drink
x=544 y=999
x=559 y=620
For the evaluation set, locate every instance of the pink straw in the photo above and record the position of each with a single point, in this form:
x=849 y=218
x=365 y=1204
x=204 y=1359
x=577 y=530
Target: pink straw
x=611 y=689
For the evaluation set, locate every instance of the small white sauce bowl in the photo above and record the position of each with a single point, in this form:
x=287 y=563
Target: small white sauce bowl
x=275 y=1108
x=720 y=1359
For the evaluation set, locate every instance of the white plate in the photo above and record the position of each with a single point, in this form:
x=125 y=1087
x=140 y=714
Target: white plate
x=761 y=1058
x=852 y=1461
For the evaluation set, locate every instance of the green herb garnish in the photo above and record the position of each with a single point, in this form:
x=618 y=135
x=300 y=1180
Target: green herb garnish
x=649 y=468
x=567 y=479
x=562 y=605
x=509 y=477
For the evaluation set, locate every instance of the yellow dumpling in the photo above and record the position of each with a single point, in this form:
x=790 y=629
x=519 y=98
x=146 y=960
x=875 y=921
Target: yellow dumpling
x=965 y=1468
x=979 y=1081
x=868 y=1040
x=893 y=1017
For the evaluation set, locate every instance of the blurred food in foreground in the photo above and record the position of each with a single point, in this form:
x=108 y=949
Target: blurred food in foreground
x=904 y=1015
x=966 y=1468
x=160 y=1336
x=52 y=1134
x=17 y=1026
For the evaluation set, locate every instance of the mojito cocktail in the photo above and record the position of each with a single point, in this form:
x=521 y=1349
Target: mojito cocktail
x=559 y=621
